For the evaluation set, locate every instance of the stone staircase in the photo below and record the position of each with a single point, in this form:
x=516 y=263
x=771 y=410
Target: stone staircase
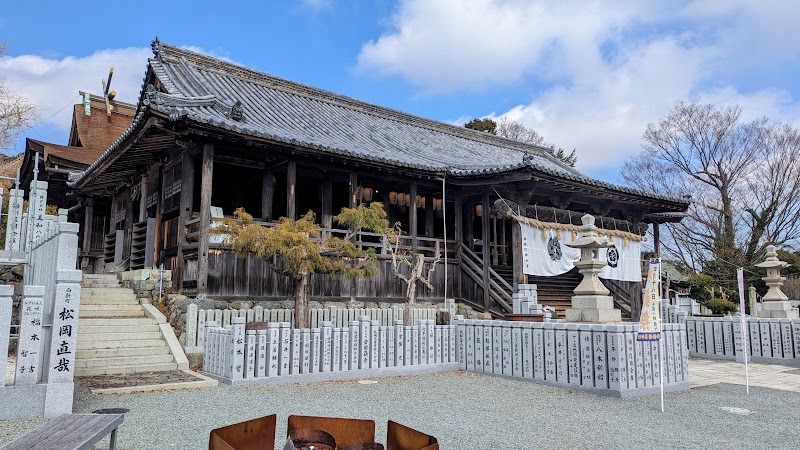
x=115 y=335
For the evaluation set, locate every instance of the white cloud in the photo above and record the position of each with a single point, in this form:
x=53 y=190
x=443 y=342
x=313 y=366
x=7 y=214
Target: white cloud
x=53 y=83
x=602 y=70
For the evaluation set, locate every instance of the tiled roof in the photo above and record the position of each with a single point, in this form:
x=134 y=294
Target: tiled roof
x=97 y=132
x=224 y=95
x=64 y=152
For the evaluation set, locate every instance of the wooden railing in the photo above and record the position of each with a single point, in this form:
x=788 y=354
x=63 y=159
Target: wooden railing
x=364 y=239
x=499 y=289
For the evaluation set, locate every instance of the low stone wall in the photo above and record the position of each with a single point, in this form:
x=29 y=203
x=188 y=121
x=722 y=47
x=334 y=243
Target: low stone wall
x=603 y=359
x=339 y=317
x=148 y=284
x=362 y=349
x=775 y=341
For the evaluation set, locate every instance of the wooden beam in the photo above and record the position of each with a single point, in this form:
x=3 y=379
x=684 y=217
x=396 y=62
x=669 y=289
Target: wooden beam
x=267 y=193
x=353 y=190
x=485 y=238
x=207 y=177
x=128 y=222
x=412 y=215
x=657 y=240
x=143 y=198
x=327 y=202
x=469 y=225
x=291 y=189
x=429 y=216
x=88 y=220
x=516 y=252
x=185 y=211
x=458 y=219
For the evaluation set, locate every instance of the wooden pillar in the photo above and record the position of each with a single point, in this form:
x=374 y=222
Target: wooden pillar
x=656 y=240
x=128 y=222
x=412 y=216
x=88 y=221
x=353 y=190
x=327 y=202
x=185 y=212
x=291 y=189
x=485 y=247
x=469 y=221
x=516 y=252
x=207 y=176
x=143 y=198
x=267 y=193
x=458 y=218
x=429 y=216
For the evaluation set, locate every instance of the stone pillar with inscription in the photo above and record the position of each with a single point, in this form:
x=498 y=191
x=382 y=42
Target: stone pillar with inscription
x=64 y=337
x=775 y=303
x=29 y=346
x=14 y=222
x=591 y=302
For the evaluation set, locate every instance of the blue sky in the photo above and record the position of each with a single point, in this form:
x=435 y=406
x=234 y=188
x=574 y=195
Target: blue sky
x=587 y=75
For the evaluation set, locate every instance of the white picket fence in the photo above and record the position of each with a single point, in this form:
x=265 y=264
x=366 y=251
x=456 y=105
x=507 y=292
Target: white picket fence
x=363 y=348
x=339 y=317
x=45 y=361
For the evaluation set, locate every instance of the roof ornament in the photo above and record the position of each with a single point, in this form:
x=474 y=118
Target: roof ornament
x=158 y=49
x=527 y=159
x=237 y=111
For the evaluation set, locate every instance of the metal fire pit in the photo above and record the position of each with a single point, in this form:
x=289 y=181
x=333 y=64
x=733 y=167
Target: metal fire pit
x=346 y=434
x=306 y=438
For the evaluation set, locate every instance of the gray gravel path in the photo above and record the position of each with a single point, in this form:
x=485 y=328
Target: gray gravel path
x=465 y=411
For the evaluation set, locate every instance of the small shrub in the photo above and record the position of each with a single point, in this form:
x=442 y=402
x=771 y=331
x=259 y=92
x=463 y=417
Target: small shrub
x=719 y=306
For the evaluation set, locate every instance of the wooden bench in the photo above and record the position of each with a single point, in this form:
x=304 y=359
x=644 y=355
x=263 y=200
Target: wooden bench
x=70 y=432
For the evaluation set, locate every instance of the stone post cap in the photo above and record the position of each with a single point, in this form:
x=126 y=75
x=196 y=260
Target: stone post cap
x=587 y=220
x=771 y=259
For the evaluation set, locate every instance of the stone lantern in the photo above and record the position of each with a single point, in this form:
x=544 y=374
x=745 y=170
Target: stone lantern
x=591 y=302
x=775 y=303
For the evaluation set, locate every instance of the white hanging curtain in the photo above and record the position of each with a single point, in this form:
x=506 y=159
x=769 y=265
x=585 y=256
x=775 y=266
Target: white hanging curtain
x=544 y=254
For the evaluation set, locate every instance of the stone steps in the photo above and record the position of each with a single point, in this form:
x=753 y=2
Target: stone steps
x=109 y=344
x=96 y=291
x=106 y=328
x=162 y=367
x=121 y=352
x=122 y=361
x=115 y=336
x=108 y=301
x=111 y=311
x=100 y=321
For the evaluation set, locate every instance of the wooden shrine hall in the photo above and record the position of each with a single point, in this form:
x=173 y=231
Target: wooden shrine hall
x=209 y=137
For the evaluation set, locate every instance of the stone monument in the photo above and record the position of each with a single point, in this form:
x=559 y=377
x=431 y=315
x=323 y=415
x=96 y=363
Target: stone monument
x=775 y=303
x=591 y=302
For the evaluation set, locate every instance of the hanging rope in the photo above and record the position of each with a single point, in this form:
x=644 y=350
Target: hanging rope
x=546 y=226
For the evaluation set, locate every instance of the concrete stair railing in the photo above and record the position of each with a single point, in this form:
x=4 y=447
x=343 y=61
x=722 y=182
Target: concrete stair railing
x=116 y=335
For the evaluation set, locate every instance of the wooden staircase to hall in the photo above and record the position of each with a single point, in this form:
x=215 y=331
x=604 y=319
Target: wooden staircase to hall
x=556 y=292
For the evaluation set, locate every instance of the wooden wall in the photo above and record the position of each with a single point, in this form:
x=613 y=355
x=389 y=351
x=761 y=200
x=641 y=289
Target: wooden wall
x=251 y=277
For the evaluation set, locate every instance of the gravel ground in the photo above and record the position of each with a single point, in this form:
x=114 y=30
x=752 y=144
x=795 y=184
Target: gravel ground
x=464 y=411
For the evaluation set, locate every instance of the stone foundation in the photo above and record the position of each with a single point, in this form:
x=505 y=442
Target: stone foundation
x=147 y=284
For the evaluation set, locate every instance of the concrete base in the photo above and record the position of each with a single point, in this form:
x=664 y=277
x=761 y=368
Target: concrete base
x=778 y=310
x=623 y=393
x=593 y=309
x=36 y=400
x=342 y=375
